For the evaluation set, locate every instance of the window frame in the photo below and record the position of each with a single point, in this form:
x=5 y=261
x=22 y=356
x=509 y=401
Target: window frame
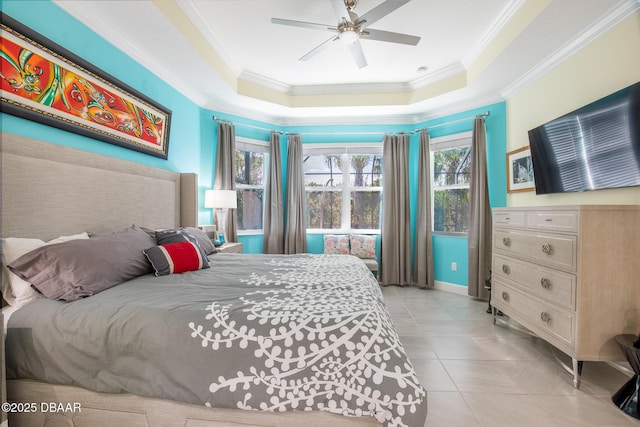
x=344 y=150
x=444 y=143
x=255 y=146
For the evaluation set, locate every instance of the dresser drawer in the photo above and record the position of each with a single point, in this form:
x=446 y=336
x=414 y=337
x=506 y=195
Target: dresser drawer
x=539 y=316
x=552 y=285
x=556 y=251
x=565 y=221
x=509 y=219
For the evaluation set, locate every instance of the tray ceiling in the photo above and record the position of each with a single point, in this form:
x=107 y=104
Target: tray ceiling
x=226 y=55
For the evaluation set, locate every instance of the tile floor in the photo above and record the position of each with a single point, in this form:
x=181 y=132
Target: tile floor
x=478 y=374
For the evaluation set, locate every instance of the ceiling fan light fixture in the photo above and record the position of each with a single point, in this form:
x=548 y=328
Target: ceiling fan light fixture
x=349 y=36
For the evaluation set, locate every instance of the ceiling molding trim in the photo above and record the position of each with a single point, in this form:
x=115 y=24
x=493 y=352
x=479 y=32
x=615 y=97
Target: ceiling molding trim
x=191 y=10
x=305 y=90
x=441 y=87
x=512 y=29
x=181 y=22
x=353 y=88
x=338 y=116
x=437 y=75
x=617 y=14
x=260 y=80
x=494 y=29
x=86 y=15
x=352 y=120
x=458 y=107
x=242 y=111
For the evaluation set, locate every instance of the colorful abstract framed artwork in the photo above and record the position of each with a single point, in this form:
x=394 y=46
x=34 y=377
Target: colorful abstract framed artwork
x=520 y=171
x=44 y=82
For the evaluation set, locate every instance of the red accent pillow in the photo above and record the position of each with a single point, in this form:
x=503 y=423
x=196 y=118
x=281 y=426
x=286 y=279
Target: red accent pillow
x=175 y=258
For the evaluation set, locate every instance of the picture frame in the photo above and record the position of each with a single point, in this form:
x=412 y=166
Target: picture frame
x=46 y=83
x=520 y=171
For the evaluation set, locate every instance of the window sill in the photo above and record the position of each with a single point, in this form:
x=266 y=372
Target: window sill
x=250 y=232
x=338 y=231
x=449 y=234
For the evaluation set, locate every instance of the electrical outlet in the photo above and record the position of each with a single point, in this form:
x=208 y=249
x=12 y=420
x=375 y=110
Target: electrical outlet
x=454 y=266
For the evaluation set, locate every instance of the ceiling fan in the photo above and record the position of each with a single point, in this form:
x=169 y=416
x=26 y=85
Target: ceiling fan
x=351 y=28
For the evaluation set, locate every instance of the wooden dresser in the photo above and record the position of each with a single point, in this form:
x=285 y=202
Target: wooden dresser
x=571 y=275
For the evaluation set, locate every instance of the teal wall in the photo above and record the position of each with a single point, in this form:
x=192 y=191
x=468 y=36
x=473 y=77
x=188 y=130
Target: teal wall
x=447 y=249
x=193 y=131
x=53 y=23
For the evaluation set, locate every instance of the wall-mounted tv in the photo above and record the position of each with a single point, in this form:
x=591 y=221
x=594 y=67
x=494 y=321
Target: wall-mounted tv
x=594 y=147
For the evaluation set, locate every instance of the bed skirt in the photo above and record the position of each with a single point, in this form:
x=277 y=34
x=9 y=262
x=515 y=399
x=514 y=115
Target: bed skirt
x=61 y=405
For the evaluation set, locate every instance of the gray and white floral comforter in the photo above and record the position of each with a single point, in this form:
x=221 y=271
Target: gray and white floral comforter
x=261 y=332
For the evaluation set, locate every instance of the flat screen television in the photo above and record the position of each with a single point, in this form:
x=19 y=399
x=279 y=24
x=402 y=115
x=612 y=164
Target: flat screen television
x=594 y=147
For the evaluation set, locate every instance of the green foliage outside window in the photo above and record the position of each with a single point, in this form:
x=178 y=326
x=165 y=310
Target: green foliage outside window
x=451 y=190
x=325 y=204
x=250 y=168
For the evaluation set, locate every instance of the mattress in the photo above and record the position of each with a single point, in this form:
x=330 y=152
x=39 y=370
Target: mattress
x=269 y=333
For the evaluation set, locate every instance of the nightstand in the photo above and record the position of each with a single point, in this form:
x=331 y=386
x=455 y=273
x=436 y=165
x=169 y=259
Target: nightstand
x=230 y=247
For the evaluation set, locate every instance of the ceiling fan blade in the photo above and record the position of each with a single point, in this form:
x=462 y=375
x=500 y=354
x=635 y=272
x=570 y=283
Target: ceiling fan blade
x=341 y=10
x=303 y=24
x=380 y=12
x=316 y=50
x=389 y=36
x=358 y=54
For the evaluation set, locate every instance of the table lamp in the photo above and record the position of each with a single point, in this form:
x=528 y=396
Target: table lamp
x=221 y=201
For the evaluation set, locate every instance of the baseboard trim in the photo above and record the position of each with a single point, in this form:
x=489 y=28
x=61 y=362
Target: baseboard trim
x=451 y=287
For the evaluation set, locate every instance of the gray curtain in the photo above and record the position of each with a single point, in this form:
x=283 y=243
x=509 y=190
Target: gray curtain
x=273 y=214
x=479 y=215
x=423 y=252
x=295 y=235
x=396 y=238
x=225 y=172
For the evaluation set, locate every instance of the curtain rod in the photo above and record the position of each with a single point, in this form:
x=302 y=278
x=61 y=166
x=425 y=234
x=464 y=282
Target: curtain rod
x=218 y=119
x=477 y=116
x=334 y=133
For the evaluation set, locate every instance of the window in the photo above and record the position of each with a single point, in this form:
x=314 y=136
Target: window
x=251 y=172
x=344 y=187
x=451 y=166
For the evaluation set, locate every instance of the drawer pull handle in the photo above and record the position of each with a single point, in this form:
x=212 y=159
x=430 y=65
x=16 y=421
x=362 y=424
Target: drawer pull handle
x=506 y=269
x=545 y=317
x=545 y=283
x=506 y=241
x=505 y=296
x=547 y=248
x=507 y=219
x=548 y=219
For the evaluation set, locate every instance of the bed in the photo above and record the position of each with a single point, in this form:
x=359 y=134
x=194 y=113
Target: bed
x=251 y=340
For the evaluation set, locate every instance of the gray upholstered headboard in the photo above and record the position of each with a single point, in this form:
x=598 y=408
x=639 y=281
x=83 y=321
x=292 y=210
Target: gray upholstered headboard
x=49 y=190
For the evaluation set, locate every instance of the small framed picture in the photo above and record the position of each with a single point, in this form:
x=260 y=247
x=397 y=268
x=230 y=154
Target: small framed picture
x=520 y=171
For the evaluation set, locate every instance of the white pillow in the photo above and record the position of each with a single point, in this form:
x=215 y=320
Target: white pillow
x=16 y=291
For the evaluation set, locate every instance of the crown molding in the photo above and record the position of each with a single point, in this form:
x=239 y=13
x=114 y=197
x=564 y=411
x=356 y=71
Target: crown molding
x=264 y=81
x=195 y=15
x=617 y=14
x=437 y=75
x=356 y=88
x=496 y=26
x=322 y=89
x=458 y=107
x=86 y=15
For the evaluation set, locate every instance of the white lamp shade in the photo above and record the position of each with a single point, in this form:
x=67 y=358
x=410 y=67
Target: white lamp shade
x=220 y=199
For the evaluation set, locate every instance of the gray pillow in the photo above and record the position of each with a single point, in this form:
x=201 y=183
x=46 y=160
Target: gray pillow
x=203 y=240
x=189 y=234
x=81 y=268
